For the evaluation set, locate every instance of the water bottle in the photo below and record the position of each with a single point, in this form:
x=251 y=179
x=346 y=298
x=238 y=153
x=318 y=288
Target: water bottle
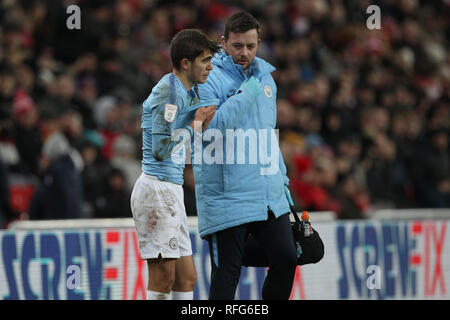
x=306 y=225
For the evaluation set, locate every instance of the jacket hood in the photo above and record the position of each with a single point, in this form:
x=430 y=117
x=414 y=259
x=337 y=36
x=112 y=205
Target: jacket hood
x=258 y=68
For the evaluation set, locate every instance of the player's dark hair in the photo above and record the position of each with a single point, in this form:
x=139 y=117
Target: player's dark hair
x=189 y=44
x=241 y=22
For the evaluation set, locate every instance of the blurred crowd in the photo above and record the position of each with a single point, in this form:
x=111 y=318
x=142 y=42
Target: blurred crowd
x=363 y=115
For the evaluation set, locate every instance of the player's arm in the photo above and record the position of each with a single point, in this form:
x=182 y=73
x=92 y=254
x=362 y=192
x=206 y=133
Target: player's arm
x=163 y=119
x=191 y=114
x=234 y=108
x=164 y=142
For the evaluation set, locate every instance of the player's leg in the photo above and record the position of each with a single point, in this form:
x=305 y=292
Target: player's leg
x=157 y=227
x=275 y=236
x=185 y=275
x=161 y=276
x=226 y=249
x=185 y=279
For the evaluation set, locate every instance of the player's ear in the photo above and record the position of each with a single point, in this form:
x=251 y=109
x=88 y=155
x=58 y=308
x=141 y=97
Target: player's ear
x=184 y=64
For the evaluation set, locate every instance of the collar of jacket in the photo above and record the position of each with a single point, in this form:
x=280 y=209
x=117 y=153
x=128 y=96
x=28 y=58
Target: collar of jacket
x=258 y=68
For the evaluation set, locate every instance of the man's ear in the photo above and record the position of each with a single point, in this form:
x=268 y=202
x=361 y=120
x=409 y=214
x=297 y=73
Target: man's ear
x=259 y=43
x=184 y=64
x=222 y=42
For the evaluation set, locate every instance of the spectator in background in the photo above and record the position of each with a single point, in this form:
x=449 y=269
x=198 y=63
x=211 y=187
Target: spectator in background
x=406 y=132
x=124 y=158
x=7 y=213
x=309 y=183
x=86 y=96
x=72 y=128
x=286 y=115
x=115 y=202
x=353 y=199
x=7 y=90
x=436 y=169
x=348 y=154
x=386 y=175
x=93 y=182
x=59 y=195
x=107 y=117
x=26 y=133
x=110 y=75
x=291 y=144
x=332 y=128
x=127 y=114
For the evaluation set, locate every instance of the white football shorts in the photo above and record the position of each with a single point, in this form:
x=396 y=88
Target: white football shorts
x=160 y=218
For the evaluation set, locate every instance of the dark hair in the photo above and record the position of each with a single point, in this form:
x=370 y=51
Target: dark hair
x=189 y=44
x=241 y=22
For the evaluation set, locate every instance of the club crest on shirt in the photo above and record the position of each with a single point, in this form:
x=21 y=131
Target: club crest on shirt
x=268 y=91
x=173 y=243
x=170 y=112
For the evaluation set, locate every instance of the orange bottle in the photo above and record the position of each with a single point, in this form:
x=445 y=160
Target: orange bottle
x=307 y=229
